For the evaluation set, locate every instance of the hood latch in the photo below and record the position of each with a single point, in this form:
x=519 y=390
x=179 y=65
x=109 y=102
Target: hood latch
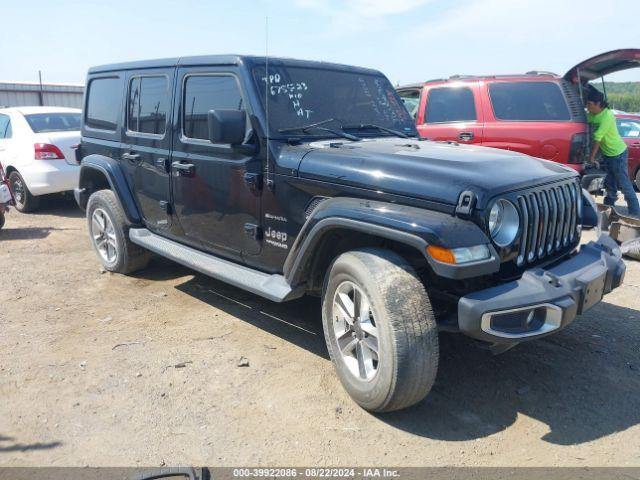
x=466 y=204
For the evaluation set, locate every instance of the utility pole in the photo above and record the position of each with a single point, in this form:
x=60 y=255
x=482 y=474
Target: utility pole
x=41 y=92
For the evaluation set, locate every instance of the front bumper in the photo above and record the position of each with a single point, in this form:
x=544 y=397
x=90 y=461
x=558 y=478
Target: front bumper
x=543 y=301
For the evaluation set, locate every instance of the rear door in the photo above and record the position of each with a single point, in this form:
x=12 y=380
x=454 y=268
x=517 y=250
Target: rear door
x=451 y=112
x=533 y=117
x=215 y=197
x=147 y=142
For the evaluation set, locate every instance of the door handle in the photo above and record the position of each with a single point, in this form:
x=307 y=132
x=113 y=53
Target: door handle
x=132 y=157
x=163 y=164
x=185 y=169
x=466 y=136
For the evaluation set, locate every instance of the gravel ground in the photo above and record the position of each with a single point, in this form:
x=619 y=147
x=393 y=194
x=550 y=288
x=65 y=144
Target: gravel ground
x=106 y=370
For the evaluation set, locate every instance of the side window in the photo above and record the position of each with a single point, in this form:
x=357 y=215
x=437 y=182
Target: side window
x=528 y=101
x=148 y=104
x=450 y=104
x=411 y=100
x=103 y=103
x=628 y=128
x=203 y=93
x=5 y=126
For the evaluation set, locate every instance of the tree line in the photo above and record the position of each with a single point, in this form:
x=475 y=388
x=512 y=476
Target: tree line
x=623 y=96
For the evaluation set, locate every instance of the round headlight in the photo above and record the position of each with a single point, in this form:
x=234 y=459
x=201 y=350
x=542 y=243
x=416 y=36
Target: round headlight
x=503 y=223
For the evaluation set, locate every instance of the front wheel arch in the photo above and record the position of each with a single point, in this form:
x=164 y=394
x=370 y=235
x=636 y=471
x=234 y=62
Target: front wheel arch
x=339 y=240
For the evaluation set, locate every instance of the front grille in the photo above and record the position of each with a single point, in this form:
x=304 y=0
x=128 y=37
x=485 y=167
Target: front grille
x=549 y=220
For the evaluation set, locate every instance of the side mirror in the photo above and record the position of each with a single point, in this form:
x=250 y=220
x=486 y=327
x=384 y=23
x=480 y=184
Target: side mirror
x=227 y=126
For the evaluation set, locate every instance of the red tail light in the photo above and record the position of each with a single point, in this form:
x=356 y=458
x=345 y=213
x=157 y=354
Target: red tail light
x=578 y=151
x=46 y=151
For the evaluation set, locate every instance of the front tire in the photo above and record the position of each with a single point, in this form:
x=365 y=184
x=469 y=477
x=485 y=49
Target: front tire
x=25 y=201
x=109 y=232
x=380 y=329
x=637 y=179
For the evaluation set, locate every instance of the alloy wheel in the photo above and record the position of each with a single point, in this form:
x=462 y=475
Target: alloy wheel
x=355 y=330
x=18 y=191
x=104 y=235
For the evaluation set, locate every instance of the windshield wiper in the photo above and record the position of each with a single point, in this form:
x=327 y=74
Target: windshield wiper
x=318 y=126
x=365 y=126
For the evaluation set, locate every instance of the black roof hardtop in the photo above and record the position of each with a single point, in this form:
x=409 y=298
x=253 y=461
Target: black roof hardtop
x=225 y=60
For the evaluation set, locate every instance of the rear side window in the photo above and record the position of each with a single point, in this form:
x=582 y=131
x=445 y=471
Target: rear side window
x=207 y=92
x=528 y=101
x=5 y=126
x=103 y=103
x=450 y=105
x=148 y=104
x=53 y=122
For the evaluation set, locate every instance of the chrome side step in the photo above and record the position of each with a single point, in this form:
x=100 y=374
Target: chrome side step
x=271 y=286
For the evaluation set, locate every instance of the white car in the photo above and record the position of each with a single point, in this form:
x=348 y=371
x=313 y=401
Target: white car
x=37 y=151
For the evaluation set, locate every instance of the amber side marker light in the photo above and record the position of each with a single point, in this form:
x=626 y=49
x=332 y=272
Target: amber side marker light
x=457 y=256
x=441 y=254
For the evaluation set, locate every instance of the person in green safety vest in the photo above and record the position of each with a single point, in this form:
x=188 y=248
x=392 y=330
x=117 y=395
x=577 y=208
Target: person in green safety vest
x=609 y=143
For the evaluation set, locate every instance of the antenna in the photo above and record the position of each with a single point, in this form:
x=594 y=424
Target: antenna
x=266 y=98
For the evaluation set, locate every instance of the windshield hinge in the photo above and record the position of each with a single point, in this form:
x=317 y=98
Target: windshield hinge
x=466 y=204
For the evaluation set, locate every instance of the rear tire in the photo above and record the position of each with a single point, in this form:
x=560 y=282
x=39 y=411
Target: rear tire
x=25 y=201
x=1 y=220
x=386 y=355
x=109 y=233
x=637 y=180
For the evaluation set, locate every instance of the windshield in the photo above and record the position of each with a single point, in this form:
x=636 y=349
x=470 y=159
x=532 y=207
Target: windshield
x=300 y=96
x=53 y=122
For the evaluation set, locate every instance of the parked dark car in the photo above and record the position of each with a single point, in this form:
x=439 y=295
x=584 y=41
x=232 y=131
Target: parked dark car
x=287 y=178
x=538 y=113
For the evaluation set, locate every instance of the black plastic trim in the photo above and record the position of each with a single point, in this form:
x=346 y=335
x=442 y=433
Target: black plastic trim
x=117 y=181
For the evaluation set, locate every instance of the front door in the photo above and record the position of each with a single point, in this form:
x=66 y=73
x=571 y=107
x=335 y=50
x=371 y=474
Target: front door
x=215 y=187
x=147 y=143
x=451 y=113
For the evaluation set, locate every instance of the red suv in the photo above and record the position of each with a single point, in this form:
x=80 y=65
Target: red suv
x=629 y=128
x=537 y=113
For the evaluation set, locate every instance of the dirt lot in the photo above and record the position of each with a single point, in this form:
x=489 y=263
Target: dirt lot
x=101 y=369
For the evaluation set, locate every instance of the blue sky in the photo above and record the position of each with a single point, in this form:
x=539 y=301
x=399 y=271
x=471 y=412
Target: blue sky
x=409 y=40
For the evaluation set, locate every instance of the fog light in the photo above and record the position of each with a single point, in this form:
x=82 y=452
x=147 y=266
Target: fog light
x=521 y=321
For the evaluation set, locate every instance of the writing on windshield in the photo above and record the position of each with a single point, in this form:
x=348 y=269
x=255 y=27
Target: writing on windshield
x=298 y=96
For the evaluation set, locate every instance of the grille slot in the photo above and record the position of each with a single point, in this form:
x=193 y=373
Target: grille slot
x=549 y=220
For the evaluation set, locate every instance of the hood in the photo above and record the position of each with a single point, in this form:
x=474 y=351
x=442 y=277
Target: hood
x=604 y=64
x=434 y=171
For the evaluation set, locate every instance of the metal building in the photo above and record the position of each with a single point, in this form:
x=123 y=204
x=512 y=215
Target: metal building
x=23 y=94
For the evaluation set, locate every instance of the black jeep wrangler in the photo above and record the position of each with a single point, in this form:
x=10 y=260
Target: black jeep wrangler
x=286 y=178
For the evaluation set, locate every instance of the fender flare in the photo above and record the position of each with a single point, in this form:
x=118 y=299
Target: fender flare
x=412 y=226
x=112 y=171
